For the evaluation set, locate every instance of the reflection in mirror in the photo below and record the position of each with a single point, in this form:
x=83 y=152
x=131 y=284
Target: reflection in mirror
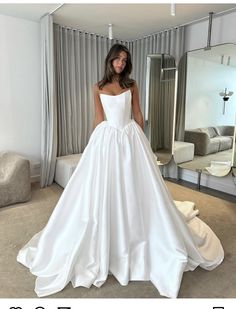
x=210 y=108
x=159 y=110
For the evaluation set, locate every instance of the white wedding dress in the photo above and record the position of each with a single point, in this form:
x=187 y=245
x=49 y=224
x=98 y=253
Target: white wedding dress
x=116 y=216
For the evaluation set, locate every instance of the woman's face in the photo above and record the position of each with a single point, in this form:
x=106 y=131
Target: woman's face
x=119 y=62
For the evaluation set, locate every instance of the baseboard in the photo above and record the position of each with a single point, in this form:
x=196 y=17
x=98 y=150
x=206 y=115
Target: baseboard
x=225 y=184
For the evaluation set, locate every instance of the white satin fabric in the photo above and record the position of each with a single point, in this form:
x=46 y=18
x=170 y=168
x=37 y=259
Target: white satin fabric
x=117 y=216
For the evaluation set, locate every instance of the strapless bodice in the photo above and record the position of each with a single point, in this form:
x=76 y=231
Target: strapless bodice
x=117 y=108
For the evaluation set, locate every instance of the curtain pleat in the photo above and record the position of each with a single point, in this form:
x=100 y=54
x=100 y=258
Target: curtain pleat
x=49 y=107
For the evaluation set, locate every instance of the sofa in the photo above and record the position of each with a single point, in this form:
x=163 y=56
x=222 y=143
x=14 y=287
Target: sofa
x=210 y=139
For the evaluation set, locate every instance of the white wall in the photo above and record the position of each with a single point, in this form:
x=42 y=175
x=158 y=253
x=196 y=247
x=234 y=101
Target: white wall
x=20 y=90
x=204 y=106
x=223 y=31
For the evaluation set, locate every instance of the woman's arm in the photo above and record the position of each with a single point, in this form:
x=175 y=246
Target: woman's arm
x=99 y=113
x=137 y=114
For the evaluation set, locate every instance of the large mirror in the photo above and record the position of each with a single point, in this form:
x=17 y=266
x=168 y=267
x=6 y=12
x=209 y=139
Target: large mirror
x=159 y=107
x=205 y=115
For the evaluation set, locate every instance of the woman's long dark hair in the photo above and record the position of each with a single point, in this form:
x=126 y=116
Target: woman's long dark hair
x=124 y=80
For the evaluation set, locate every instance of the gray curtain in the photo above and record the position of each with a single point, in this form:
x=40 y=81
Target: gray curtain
x=181 y=99
x=49 y=108
x=79 y=64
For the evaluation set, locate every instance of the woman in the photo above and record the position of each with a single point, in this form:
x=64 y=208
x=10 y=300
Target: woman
x=118 y=67
x=116 y=215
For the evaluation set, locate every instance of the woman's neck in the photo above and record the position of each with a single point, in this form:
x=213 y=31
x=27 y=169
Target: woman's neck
x=116 y=79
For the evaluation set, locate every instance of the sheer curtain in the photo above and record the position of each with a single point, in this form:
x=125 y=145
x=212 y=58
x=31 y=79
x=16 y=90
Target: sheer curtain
x=49 y=107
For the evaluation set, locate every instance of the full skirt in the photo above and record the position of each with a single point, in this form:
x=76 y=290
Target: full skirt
x=116 y=216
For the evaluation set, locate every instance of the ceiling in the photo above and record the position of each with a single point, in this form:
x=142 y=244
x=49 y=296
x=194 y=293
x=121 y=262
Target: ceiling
x=130 y=21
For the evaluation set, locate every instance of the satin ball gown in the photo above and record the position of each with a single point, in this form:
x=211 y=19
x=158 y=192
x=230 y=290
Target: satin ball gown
x=116 y=216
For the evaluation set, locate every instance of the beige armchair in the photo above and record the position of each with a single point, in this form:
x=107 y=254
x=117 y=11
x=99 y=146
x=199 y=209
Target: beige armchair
x=15 y=186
